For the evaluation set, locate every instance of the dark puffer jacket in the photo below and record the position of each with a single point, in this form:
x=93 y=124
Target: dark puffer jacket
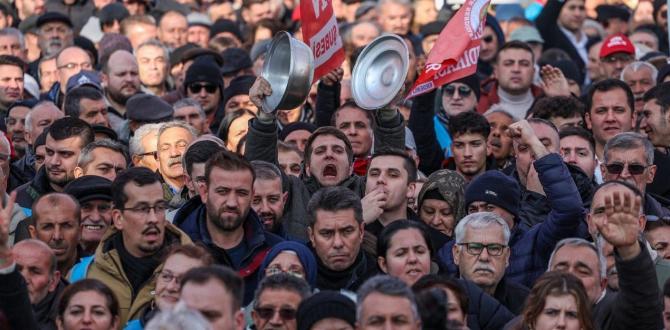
x=532 y=248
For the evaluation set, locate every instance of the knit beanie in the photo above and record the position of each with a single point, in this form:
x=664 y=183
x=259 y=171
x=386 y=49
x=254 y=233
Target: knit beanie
x=494 y=187
x=238 y=86
x=323 y=305
x=471 y=81
x=297 y=126
x=203 y=70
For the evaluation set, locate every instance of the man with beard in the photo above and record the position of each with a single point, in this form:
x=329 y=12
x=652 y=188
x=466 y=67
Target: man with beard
x=328 y=154
x=225 y=222
x=56 y=220
x=130 y=253
x=173 y=138
x=269 y=198
x=66 y=137
x=16 y=125
x=54 y=33
x=120 y=77
x=94 y=195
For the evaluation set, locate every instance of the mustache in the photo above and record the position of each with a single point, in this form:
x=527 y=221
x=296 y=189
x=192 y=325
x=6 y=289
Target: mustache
x=58 y=244
x=225 y=208
x=150 y=228
x=485 y=268
x=174 y=160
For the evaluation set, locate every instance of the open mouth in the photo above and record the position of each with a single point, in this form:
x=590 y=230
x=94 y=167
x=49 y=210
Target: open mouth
x=94 y=227
x=330 y=171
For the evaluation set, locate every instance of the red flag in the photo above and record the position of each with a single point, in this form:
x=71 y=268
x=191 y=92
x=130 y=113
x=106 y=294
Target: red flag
x=456 y=50
x=320 y=32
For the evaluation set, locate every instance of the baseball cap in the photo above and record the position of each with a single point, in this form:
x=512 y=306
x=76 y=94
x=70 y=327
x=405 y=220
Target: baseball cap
x=89 y=78
x=616 y=43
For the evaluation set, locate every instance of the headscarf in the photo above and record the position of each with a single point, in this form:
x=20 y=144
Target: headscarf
x=304 y=255
x=450 y=186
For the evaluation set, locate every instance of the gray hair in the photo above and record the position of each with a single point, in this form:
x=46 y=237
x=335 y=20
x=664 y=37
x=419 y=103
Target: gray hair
x=282 y=281
x=593 y=24
x=499 y=108
x=135 y=143
x=637 y=66
x=580 y=242
x=405 y=3
x=157 y=44
x=629 y=141
x=181 y=317
x=179 y=124
x=86 y=155
x=189 y=102
x=29 y=117
x=13 y=32
x=266 y=171
x=481 y=220
x=388 y=286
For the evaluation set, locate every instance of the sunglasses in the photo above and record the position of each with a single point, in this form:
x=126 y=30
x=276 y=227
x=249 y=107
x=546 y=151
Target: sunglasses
x=487 y=39
x=267 y=313
x=463 y=90
x=633 y=169
x=196 y=88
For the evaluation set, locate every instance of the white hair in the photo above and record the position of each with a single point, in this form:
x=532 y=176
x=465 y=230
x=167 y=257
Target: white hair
x=580 y=242
x=637 y=66
x=481 y=220
x=135 y=143
x=181 y=317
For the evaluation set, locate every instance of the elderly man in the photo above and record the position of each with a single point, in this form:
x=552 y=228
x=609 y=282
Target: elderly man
x=482 y=253
x=143 y=146
x=55 y=33
x=94 y=194
x=641 y=77
x=70 y=61
x=173 y=138
x=139 y=236
x=172 y=29
x=616 y=217
x=153 y=59
x=277 y=294
x=88 y=104
x=189 y=111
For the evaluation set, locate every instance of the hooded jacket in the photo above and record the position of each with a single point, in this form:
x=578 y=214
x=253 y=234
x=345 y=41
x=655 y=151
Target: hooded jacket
x=304 y=254
x=107 y=267
x=531 y=249
x=192 y=220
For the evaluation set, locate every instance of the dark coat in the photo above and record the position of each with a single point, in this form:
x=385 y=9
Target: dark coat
x=193 y=221
x=531 y=249
x=660 y=187
x=484 y=312
x=638 y=303
x=79 y=12
x=30 y=191
x=511 y=295
x=423 y=127
x=15 y=302
x=364 y=267
x=21 y=171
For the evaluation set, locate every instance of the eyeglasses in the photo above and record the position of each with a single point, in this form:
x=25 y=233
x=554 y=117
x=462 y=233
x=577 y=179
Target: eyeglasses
x=83 y=66
x=475 y=249
x=463 y=90
x=196 y=88
x=146 y=209
x=167 y=277
x=152 y=154
x=618 y=58
x=633 y=169
x=267 y=313
x=487 y=39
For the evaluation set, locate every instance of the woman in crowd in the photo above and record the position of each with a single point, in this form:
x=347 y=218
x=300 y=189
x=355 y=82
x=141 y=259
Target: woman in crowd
x=88 y=304
x=441 y=201
x=290 y=257
x=179 y=260
x=557 y=301
x=234 y=127
x=403 y=251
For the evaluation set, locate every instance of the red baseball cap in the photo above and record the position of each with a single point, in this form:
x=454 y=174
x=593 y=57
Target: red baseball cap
x=617 y=43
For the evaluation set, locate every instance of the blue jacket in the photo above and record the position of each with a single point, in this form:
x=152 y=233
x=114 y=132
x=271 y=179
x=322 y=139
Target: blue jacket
x=532 y=248
x=192 y=219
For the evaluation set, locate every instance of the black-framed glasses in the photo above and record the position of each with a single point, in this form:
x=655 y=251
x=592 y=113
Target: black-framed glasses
x=267 y=313
x=196 y=88
x=463 y=90
x=146 y=209
x=633 y=169
x=151 y=153
x=475 y=249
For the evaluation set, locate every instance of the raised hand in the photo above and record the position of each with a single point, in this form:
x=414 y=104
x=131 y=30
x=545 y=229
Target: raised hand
x=554 y=82
x=259 y=90
x=5 y=220
x=523 y=134
x=372 y=205
x=333 y=77
x=620 y=223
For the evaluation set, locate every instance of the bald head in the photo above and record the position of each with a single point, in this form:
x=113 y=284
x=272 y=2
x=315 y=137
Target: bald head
x=41 y=117
x=38 y=249
x=71 y=61
x=119 y=57
x=37 y=264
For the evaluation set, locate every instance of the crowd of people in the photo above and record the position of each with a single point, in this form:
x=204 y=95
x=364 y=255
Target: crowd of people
x=144 y=186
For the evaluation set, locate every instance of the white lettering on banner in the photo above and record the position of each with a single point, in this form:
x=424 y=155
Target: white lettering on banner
x=468 y=59
x=325 y=43
x=433 y=67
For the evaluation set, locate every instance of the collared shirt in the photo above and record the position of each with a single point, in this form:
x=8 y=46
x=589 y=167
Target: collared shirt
x=580 y=45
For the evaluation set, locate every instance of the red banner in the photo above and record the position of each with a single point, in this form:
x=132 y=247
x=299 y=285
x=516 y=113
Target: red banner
x=320 y=32
x=456 y=50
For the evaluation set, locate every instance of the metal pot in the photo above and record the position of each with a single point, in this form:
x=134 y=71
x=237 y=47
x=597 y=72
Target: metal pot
x=289 y=68
x=380 y=72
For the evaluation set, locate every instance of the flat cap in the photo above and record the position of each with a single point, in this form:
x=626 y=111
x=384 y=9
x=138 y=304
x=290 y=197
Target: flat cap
x=90 y=187
x=114 y=11
x=234 y=60
x=606 y=12
x=29 y=24
x=52 y=16
x=148 y=109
